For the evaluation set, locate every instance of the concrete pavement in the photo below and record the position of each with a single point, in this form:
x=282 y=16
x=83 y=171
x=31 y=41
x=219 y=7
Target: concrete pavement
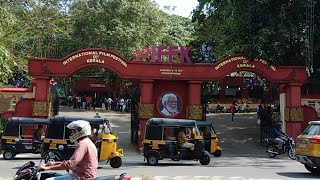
x=238 y=138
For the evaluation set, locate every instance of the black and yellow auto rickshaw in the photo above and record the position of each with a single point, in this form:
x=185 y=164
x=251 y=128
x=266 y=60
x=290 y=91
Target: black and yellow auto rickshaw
x=19 y=136
x=210 y=138
x=161 y=142
x=57 y=145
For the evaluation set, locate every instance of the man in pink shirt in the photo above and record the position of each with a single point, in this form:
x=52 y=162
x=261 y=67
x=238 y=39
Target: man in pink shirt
x=84 y=162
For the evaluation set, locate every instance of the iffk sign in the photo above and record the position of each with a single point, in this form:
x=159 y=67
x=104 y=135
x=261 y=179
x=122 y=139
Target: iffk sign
x=157 y=52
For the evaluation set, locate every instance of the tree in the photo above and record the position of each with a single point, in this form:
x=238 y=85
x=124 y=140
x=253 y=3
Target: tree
x=270 y=29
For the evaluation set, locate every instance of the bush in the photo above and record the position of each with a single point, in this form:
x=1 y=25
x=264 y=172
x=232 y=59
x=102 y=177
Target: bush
x=2 y=123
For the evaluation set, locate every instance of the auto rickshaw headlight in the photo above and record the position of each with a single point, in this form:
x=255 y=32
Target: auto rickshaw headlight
x=51 y=155
x=60 y=147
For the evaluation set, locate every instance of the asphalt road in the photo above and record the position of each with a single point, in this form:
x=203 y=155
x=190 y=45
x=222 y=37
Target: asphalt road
x=242 y=155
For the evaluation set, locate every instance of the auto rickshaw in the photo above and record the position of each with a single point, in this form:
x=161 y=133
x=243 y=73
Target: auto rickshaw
x=57 y=145
x=210 y=138
x=161 y=142
x=19 y=136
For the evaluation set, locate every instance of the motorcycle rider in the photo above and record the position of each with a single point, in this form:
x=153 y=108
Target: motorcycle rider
x=84 y=162
x=279 y=137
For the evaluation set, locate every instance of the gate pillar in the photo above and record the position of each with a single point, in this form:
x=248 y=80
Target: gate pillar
x=41 y=105
x=146 y=107
x=293 y=112
x=194 y=108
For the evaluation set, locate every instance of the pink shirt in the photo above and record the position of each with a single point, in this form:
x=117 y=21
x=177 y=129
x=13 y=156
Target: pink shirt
x=84 y=161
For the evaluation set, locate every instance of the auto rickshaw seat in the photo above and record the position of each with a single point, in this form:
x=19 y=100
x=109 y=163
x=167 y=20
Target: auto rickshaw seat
x=180 y=147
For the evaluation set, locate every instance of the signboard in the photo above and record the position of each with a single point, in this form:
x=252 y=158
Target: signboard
x=157 y=52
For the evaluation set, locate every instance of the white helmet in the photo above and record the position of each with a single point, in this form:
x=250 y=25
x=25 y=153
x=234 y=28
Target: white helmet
x=82 y=129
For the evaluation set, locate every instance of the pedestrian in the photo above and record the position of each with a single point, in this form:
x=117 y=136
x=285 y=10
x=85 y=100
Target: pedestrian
x=88 y=102
x=121 y=104
x=115 y=104
x=83 y=100
x=78 y=101
x=259 y=114
x=232 y=110
x=109 y=101
x=128 y=105
x=69 y=100
x=103 y=104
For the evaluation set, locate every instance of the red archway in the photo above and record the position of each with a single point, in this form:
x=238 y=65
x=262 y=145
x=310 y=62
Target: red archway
x=156 y=79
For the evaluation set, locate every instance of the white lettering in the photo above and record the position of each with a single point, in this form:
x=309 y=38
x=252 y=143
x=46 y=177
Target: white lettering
x=95 y=57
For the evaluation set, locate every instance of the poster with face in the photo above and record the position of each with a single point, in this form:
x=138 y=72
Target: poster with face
x=169 y=104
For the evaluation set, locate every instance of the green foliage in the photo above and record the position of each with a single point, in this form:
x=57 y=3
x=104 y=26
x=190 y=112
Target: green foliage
x=53 y=29
x=270 y=29
x=2 y=124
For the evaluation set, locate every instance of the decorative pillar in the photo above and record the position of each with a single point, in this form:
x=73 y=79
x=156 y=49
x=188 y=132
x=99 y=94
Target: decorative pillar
x=293 y=110
x=282 y=104
x=146 y=107
x=194 y=108
x=41 y=106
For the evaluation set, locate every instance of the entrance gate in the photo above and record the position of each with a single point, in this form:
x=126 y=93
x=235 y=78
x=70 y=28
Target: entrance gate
x=159 y=80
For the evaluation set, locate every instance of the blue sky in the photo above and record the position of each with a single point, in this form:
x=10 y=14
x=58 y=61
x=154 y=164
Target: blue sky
x=184 y=7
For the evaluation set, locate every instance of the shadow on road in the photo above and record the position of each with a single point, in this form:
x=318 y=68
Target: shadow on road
x=295 y=175
x=238 y=138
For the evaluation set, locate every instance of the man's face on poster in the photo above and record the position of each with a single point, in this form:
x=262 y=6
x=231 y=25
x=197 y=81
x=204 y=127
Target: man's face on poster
x=171 y=104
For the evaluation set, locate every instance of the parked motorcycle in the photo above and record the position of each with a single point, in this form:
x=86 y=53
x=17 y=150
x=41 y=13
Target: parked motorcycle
x=29 y=171
x=288 y=147
x=220 y=109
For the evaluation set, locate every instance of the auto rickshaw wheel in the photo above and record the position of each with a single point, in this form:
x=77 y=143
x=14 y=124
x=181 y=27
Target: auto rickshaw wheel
x=313 y=170
x=116 y=162
x=8 y=154
x=205 y=160
x=152 y=160
x=217 y=153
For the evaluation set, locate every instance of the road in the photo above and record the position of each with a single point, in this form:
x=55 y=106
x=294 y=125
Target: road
x=242 y=157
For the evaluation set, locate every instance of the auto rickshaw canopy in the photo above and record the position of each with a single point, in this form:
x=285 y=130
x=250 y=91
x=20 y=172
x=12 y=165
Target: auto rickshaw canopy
x=13 y=123
x=57 y=124
x=171 y=122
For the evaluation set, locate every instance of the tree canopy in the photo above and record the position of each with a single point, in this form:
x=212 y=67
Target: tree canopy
x=275 y=30
x=55 y=28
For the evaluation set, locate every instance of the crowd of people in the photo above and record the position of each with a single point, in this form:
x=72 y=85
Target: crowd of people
x=106 y=103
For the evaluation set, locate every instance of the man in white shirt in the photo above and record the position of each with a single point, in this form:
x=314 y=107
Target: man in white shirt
x=109 y=101
x=121 y=103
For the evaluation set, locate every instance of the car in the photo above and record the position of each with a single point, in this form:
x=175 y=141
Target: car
x=308 y=147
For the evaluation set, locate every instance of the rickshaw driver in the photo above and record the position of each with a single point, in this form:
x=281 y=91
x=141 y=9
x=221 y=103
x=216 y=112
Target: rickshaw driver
x=84 y=162
x=183 y=141
x=38 y=133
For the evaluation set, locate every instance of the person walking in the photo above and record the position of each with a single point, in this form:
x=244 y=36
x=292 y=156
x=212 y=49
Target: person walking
x=259 y=114
x=232 y=110
x=103 y=104
x=109 y=101
x=115 y=104
x=121 y=104
x=69 y=100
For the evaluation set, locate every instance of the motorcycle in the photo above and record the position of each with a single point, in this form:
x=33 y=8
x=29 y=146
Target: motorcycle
x=288 y=147
x=220 y=109
x=29 y=171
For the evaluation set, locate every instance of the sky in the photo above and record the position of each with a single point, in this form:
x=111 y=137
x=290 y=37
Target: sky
x=184 y=7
